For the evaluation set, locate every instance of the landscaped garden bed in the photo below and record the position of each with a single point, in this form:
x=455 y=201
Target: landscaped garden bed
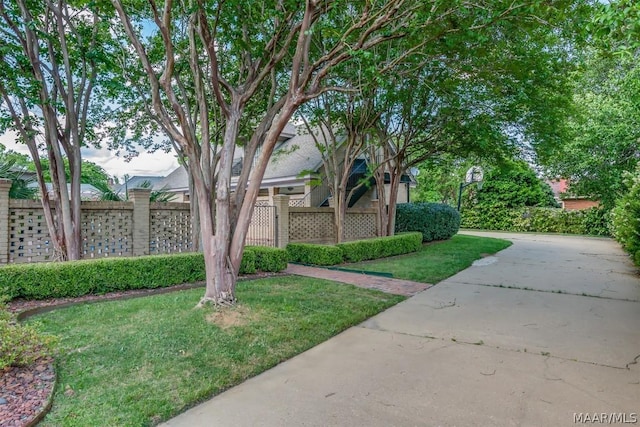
x=140 y=361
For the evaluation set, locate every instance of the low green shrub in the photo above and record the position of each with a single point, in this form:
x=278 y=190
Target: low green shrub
x=435 y=221
x=98 y=276
x=626 y=216
x=269 y=259
x=381 y=247
x=307 y=253
x=21 y=345
x=592 y=221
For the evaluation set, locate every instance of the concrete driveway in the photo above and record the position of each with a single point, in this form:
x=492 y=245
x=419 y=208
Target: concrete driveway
x=546 y=333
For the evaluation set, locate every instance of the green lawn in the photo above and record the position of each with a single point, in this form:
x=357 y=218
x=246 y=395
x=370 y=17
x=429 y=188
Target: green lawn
x=140 y=361
x=436 y=261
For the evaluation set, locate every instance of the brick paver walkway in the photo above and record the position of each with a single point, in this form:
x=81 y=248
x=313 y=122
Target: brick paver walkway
x=384 y=284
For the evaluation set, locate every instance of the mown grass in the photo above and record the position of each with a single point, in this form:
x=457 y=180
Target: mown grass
x=436 y=261
x=140 y=361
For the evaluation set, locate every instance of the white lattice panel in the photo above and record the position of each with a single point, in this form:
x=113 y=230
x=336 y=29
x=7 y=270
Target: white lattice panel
x=106 y=233
x=170 y=231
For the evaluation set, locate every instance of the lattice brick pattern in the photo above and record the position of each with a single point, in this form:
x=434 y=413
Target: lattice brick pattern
x=106 y=233
x=311 y=226
x=29 y=239
x=170 y=231
x=360 y=226
x=262 y=230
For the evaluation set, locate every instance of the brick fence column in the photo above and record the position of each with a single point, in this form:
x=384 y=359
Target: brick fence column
x=5 y=185
x=281 y=202
x=140 y=199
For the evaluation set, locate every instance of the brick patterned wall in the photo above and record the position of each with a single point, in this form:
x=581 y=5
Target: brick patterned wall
x=106 y=229
x=28 y=234
x=138 y=227
x=169 y=228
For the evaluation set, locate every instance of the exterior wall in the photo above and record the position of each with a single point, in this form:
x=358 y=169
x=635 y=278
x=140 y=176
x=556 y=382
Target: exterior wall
x=364 y=202
x=579 y=204
x=138 y=227
x=403 y=193
x=315 y=225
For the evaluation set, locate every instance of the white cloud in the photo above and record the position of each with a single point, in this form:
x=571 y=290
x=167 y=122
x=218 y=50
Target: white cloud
x=153 y=164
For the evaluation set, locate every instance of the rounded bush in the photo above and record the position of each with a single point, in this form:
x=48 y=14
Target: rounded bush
x=435 y=221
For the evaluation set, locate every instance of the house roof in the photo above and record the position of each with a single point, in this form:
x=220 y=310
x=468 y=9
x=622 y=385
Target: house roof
x=87 y=191
x=297 y=153
x=176 y=180
x=136 y=181
x=293 y=157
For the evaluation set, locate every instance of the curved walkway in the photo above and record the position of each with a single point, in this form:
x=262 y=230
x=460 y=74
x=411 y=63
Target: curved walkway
x=546 y=333
x=384 y=284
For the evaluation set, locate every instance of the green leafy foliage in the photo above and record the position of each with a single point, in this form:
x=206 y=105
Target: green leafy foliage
x=358 y=250
x=592 y=221
x=21 y=345
x=603 y=142
x=382 y=247
x=307 y=253
x=513 y=185
x=268 y=259
x=20 y=180
x=626 y=216
x=434 y=220
x=98 y=276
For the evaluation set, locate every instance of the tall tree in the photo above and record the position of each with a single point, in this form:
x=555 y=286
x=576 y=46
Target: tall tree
x=236 y=61
x=604 y=128
x=50 y=63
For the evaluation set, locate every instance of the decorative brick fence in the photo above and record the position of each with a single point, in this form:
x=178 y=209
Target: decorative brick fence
x=139 y=227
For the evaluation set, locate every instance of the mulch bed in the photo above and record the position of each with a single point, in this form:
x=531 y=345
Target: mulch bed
x=26 y=392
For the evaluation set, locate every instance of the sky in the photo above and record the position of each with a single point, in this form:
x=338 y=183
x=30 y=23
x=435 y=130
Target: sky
x=146 y=164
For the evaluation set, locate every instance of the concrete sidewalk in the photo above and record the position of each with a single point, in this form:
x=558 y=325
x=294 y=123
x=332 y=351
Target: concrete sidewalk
x=542 y=334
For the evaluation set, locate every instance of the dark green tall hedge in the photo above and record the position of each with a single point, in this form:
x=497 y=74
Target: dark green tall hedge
x=592 y=221
x=435 y=221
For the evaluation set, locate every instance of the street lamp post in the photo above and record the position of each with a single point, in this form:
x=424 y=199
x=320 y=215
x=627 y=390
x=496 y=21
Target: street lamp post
x=474 y=176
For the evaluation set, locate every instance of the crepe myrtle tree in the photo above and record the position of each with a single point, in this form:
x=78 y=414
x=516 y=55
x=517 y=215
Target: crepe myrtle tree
x=274 y=49
x=51 y=64
x=244 y=68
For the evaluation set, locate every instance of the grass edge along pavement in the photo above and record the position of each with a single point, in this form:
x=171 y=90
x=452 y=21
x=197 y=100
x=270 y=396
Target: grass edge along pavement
x=435 y=261
x=141 y=361
x=138 y=362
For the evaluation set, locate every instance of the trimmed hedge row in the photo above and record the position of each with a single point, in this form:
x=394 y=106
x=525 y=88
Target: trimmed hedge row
x=435 y=221
x=308 y=253
x=98 y=276
x=593 y=221
x=359 y=250
x=381 y=247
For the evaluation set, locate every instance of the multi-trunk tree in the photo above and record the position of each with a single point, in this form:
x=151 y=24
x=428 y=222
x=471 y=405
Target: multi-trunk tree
x=252 y=64
x=51 y=62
